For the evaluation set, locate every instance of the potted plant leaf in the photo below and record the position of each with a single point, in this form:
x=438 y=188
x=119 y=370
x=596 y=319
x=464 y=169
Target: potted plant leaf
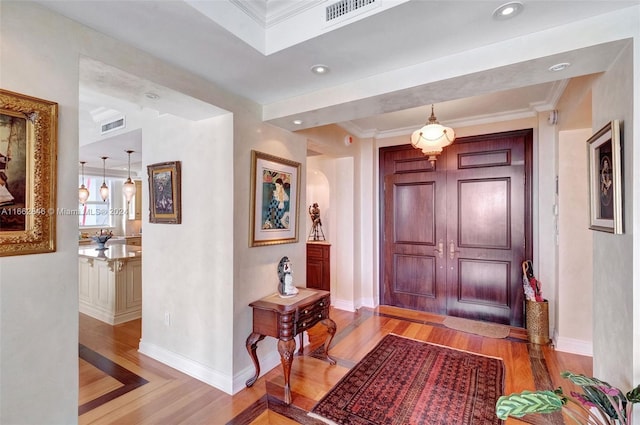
x=599 y=404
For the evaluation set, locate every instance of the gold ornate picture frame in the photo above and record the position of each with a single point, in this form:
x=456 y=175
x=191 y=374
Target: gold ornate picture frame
x=605 y=179
x=275 y=190
x=165 y=191
x=28 y=174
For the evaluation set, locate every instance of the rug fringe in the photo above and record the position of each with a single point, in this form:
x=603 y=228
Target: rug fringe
x=321 y=419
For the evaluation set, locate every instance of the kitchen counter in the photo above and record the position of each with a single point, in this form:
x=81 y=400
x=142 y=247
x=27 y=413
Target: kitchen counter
x=110 y=282
x=116 y=240
x=113 y=252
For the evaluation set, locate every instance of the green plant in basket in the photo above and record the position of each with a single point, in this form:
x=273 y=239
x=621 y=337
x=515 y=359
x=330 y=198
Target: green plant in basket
x=612 y=406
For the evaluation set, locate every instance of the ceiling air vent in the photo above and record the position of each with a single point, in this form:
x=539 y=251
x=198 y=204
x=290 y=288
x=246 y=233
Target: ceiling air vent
x=112 y=125
x=343 y=7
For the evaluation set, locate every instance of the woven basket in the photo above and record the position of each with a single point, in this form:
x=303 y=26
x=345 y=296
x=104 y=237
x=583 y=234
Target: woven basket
x=537 y=316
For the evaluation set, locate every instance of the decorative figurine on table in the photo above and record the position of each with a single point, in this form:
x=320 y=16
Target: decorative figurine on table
x=102 y=238
x=316 y=228
x=286 y=289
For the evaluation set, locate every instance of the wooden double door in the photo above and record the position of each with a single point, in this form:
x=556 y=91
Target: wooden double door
x=454 y=233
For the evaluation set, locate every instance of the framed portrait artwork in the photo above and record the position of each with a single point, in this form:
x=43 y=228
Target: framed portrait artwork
x=605 y=179
x=275 y=190
x=164 y=193
x=28 y=174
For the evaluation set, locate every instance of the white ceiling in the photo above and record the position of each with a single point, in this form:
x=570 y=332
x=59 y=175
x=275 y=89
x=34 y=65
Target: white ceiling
x=391 y=51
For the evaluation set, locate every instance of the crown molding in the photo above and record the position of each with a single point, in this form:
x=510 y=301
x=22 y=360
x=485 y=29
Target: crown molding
x=266 y=16
x=463 y=122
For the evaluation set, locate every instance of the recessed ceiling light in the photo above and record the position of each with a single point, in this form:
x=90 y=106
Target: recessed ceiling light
x=297 y=122
x=320 y=69
x=151 y=95
x=508 y=10
x=559 y=66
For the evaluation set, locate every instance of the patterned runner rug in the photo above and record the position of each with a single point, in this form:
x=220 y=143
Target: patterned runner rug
x=403 y=381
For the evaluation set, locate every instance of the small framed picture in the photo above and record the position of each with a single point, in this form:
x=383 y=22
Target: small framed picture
x=605 y=179
x=164 y=193
x=275 y=190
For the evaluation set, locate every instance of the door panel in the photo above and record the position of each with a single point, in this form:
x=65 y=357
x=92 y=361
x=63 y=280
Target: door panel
x=455 y=234
x=412 y=267
x=483 y=207
x=414 y=203
x=483 y=282
x=415 y=275
x=485 y=228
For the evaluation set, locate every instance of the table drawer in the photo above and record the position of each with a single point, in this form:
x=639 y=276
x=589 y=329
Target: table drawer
x=308 y=316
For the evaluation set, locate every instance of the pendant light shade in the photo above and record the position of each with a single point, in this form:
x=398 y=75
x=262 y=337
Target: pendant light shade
x=83 y=192
x=432 y=138
x=104 y=189
x=129 y=188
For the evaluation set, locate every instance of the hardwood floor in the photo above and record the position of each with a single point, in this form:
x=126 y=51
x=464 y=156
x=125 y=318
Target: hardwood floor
x=120 y=386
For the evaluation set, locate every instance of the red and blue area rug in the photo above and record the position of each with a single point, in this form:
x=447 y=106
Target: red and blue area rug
x=403 y=381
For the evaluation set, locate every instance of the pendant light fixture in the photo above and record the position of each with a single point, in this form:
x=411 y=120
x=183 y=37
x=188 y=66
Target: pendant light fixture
x=432 y=138
x=83 y=192
x=129 y=188
x=104 y=189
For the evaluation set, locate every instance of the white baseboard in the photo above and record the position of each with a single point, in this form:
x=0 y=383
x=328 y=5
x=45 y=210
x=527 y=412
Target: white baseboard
x=267 y=362
x=573 y=346
x=343 y=305
x=96 y=313
x=347 y=305
x=224 y=382
x=369 y=302
x=109 y=317
x=221 y=381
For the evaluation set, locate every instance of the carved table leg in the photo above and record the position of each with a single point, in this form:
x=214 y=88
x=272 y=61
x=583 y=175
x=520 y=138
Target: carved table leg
x=301 y=348
x=252 y=345
x=331 y=329
x=286 y=349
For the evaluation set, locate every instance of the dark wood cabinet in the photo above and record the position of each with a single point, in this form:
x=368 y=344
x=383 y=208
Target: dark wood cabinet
x=318 y=266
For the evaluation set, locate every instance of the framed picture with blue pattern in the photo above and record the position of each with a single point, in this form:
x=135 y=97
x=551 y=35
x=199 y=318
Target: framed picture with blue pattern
x=275 y=190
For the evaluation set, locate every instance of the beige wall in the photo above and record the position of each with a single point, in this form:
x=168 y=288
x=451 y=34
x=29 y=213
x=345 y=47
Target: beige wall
x=613 y=257
x=575 y=278
x=575 y=317
x=39 y=293
x=255 y=273
x=187 y=278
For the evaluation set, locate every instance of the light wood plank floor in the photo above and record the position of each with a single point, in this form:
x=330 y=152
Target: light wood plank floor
x=140 y=390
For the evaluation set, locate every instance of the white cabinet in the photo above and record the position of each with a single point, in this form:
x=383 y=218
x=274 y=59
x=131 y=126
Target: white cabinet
x=111 y=290
x=133 y=240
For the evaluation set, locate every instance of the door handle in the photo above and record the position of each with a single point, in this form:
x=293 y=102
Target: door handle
x=439 y=249
x=452 y=250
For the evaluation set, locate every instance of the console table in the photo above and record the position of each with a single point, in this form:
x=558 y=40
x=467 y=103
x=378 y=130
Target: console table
x=284 y=318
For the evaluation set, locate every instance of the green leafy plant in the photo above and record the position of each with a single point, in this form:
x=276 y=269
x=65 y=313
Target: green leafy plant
x=612 y=407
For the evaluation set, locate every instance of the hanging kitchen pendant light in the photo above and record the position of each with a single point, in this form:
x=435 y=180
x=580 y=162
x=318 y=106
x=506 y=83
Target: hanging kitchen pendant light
x=104 y=189
x=432 y=138
x=129 y=188
x=83 y=192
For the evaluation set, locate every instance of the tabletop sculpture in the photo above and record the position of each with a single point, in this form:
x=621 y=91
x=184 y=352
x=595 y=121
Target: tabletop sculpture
x=316 y=229
x=286 y=289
